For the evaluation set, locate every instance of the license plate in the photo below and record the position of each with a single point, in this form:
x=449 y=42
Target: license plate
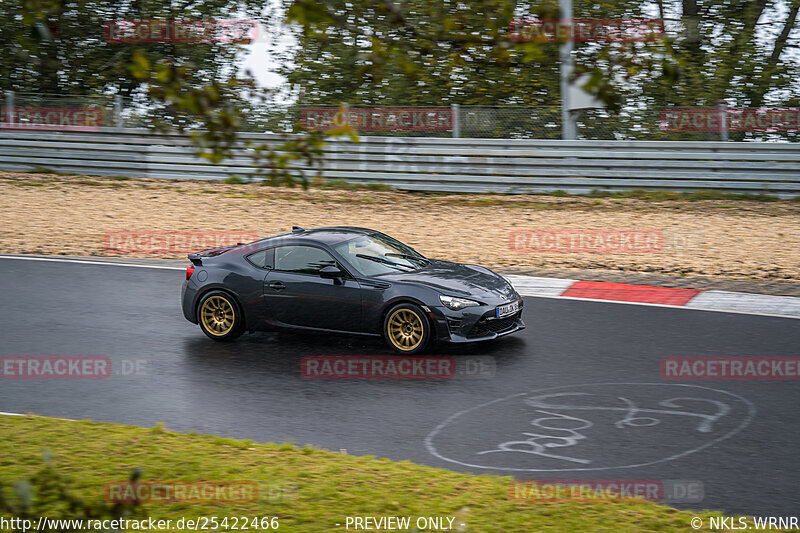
x=508 y=309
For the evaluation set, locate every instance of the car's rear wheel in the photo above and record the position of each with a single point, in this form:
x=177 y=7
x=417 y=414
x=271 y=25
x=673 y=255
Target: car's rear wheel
x=406 y=329
x=220 y=317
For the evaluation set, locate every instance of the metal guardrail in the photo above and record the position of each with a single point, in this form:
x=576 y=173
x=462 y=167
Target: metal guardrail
x=435 y=164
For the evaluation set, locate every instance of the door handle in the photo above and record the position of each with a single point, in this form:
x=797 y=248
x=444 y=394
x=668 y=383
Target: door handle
x=277 y=285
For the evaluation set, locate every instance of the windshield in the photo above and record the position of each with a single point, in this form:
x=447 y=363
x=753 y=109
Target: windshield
x=374 y=255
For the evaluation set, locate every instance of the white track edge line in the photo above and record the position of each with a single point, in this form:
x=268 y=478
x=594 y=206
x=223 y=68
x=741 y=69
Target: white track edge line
x=41 y=416
x=85 y=262
x=660 y=305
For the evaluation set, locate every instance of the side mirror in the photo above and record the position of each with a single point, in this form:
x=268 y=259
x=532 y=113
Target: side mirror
x=331 y=272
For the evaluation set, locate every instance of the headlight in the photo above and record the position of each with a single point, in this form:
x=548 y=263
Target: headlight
x=451 y=302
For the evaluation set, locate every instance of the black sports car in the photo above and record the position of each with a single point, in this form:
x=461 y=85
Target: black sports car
x=344 y=279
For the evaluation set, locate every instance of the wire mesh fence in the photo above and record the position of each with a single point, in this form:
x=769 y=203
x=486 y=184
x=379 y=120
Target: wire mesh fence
x=75 y=112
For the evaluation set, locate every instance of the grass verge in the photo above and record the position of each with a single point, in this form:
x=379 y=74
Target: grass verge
x=306 y=488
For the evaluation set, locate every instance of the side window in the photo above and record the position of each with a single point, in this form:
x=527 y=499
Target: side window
x=302 y=259
x=262 y=259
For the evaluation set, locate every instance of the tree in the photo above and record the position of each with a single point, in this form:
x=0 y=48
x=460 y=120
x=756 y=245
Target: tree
x=58 y=47
x=425 y=52
x=422 y=53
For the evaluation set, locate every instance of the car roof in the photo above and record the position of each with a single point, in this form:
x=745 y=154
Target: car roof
x=327 y=235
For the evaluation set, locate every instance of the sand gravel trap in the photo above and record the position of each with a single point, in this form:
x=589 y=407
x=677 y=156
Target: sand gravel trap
x=51 y=214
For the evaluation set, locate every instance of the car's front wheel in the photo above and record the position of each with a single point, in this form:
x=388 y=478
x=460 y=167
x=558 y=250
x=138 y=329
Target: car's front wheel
x=219 y=316
x=406 y=329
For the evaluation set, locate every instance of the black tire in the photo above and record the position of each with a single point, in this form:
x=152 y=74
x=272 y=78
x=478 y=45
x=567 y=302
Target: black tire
x=220 y=316
x=406 y=329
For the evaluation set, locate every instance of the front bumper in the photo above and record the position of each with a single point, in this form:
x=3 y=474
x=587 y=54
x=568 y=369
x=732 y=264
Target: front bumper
x=474 y=324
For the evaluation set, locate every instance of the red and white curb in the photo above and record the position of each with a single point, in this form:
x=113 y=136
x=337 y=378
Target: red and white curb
x=707 y=300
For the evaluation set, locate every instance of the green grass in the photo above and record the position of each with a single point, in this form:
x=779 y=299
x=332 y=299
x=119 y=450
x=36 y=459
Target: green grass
x=235 y=180
x=308 y=489
x=661 y=196
x=639 y=194
x=345 y=185
x=338 y=184
x=378 y=187
x=47 y=170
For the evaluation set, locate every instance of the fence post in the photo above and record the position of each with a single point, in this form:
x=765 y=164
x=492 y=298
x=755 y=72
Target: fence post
x=723 y=120
x=118 y=111
x=454 y=108
x=569 y=128
x=9 y=108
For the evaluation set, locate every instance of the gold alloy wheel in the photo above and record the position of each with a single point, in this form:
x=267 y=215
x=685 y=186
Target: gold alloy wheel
x=405 y=330
x=217 y=315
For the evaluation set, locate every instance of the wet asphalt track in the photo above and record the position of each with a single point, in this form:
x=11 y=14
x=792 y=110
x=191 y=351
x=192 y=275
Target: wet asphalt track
x=746 y=459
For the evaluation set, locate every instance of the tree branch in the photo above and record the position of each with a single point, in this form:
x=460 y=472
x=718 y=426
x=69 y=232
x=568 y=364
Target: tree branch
x=762 y=85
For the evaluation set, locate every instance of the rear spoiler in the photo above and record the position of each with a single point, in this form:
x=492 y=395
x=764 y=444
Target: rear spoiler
x=197 y=257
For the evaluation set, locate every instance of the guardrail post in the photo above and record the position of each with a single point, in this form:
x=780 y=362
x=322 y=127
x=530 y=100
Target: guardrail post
x=454 y=112
x=723 y=120
x=9 y=108
x=118 y=111
x=569 y=128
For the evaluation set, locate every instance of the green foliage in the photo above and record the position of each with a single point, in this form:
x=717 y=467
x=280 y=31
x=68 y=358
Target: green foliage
x=715 y=52
x=58 y=47
x=47 y=493
x=424 y=52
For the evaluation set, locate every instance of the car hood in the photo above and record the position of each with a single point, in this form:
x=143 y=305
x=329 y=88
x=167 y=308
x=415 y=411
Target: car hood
x=456 y=279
